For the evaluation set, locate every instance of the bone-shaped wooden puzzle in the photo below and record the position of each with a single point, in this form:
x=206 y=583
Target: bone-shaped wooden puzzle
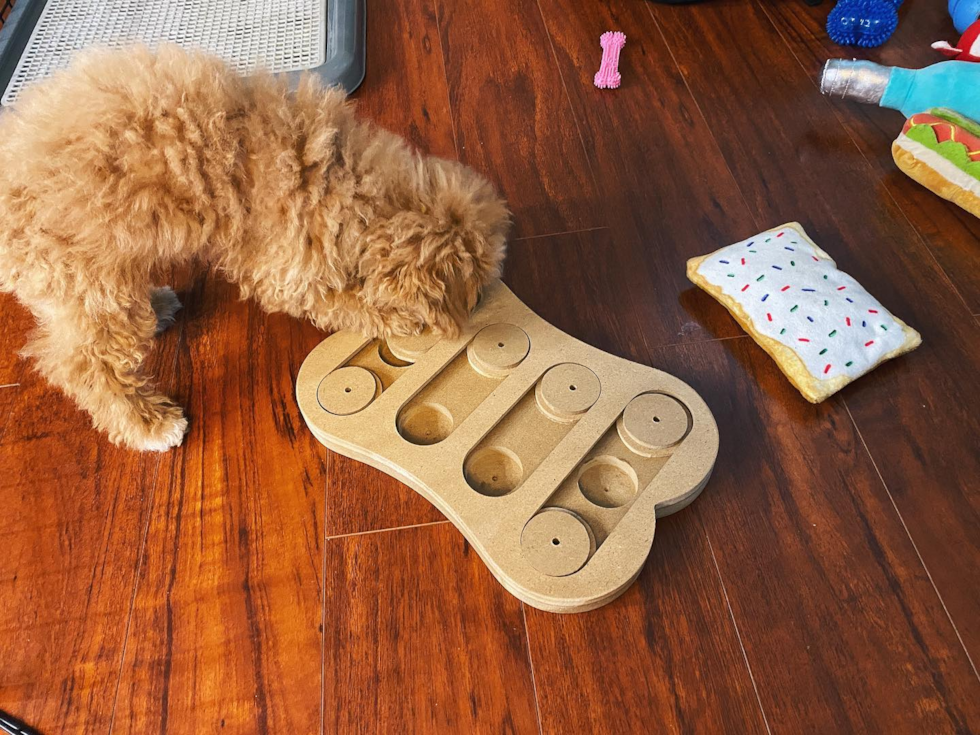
x=553 y=458
x=608 y=76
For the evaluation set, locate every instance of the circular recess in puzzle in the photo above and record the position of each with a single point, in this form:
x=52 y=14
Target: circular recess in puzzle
x=426 y=423
x=498 y=349
x=567 y=391
x=608 y=482
x=493 y=471
x=557 y=542
x=410 y=348
x=347 y=390
x=653 y=422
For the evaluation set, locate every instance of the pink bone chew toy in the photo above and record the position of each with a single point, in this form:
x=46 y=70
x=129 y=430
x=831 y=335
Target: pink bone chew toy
x=608 y=76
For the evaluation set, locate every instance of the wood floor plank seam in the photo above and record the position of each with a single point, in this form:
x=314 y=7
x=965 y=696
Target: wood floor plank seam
x=568 y=98
x=323 y=601
x=738 y=634
x=136 y=584
x=915 y=546
x=836 y=110
x=181 y=337
x=525 y=238
x=530 y=665
x=11 y=390
x=704 y=119
x=445 y=74
x=385 y=530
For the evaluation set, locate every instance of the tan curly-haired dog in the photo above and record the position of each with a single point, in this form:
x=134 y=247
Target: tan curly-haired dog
x=133 y=160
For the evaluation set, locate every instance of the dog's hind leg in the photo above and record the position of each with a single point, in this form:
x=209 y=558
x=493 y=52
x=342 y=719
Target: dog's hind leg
x=94 y=355
x=165 y=305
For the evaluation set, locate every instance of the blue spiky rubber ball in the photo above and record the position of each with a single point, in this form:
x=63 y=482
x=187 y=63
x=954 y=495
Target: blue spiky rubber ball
x=866 y=23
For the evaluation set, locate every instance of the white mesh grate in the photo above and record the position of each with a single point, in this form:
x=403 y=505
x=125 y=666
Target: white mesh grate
x=277 y=35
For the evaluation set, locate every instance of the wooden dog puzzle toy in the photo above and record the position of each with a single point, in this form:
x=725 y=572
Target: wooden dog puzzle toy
x=819 y=324
x=553 y=458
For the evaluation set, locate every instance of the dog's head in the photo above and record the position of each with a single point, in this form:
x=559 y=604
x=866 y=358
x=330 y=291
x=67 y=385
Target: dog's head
x=425 y=265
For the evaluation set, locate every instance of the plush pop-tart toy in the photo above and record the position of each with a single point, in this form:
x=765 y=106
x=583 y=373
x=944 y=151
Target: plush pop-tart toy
x=819 y=325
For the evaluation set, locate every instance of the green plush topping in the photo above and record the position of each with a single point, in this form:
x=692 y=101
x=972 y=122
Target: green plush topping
x=952 y=151
x=957 y=119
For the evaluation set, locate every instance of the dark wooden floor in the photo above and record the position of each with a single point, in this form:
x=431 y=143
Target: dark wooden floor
x=827 y=580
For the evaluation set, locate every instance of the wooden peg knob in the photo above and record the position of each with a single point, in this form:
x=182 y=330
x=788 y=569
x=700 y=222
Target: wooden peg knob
x=653 y=422
x=567 y=391
x=557 y=542
x=498 y=349
x=348 y=390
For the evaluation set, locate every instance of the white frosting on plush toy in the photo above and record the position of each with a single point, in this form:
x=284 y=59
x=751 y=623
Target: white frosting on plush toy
x=794 y=294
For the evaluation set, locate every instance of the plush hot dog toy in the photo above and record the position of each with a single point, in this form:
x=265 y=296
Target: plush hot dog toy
x=941 y=150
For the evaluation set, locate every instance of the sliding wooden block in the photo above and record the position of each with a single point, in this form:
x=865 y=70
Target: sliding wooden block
x=553 y=458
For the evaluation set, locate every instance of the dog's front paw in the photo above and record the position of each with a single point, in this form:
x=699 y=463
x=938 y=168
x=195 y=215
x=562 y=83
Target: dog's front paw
x=164 y=431
x=165 y=305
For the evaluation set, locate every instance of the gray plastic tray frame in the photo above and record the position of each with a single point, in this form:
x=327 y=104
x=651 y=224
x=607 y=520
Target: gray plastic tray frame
x=344 y=57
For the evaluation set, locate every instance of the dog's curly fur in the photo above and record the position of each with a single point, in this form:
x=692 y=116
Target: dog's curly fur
x=132 y=161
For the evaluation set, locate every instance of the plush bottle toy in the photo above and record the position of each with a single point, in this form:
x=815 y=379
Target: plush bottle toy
x=951 y=84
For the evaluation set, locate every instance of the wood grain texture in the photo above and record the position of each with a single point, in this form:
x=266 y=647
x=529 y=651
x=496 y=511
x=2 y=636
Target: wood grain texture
x=664 y=657
x=841 y=625
x=362 y=499
x=225 y=632
x=406 y=89
x=950 y=232
x=512 y=117
x=604 y=314
x=419 y=637
x=15 y=327
x=931 y=473
x=73 y=522
x=663 y=184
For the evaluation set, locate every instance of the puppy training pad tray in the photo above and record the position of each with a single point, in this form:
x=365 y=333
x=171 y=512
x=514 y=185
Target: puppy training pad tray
x=554 y=459
x=280 y=36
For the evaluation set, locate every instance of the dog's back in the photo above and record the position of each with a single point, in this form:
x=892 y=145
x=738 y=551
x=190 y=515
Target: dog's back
x=121 y=142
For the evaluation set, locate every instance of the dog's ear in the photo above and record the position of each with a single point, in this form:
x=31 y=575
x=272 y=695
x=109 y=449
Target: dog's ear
x=421 y=270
